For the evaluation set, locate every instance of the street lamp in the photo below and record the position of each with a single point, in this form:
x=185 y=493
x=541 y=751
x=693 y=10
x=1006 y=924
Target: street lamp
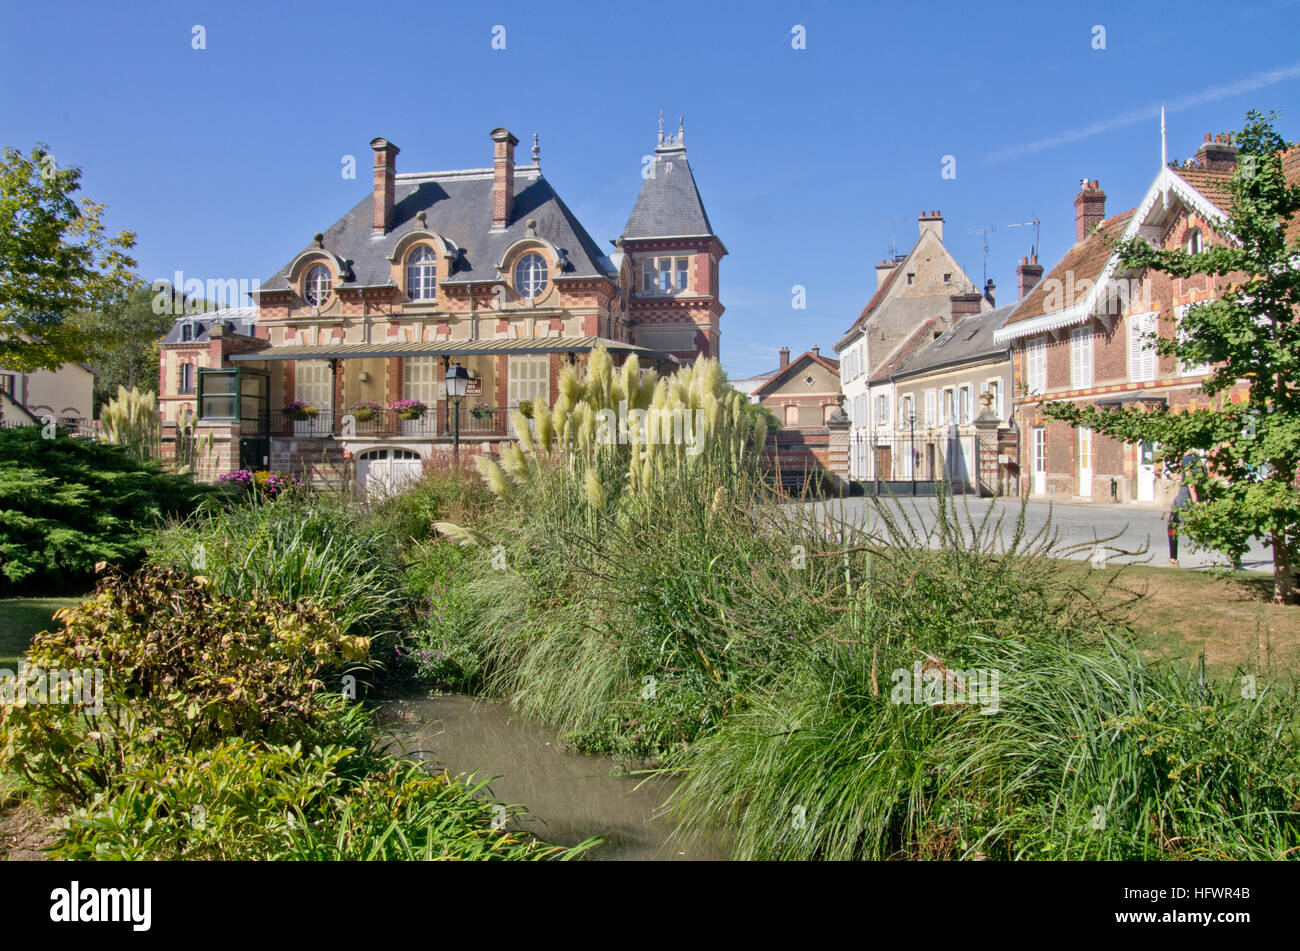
x=457 y=385
x=911 y=460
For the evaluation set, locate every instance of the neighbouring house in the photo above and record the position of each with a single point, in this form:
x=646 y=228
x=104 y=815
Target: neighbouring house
x=196 y=342
x=804 y=394
x=65 y=396
x=911 y=290
x=487 y=268
x=1085 y=331
x=952 y=409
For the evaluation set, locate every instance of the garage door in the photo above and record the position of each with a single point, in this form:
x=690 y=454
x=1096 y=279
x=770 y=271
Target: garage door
x=384 y=471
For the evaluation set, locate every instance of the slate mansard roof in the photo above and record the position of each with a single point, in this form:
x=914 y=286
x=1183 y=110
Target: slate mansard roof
x=458 y=207
x=669 y=204
x=238 y=320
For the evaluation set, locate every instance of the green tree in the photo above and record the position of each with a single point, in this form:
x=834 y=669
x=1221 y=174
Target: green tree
x=55 y=260
x=1251 y=334
x=124 y=344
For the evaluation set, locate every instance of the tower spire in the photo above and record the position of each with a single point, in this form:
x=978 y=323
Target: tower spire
x=537 y=152
x=661 y=127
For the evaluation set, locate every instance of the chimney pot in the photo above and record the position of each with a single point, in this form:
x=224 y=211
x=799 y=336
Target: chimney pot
x=385 y=183
x=816 y=351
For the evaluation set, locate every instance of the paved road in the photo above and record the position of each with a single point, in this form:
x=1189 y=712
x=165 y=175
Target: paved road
x=1078 y=524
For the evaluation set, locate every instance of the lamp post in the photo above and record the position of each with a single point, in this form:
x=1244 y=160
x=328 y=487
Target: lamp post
x=457 y=385
x=911 y=459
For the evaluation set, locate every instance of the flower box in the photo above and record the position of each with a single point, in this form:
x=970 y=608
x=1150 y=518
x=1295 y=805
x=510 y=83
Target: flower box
x=408 y=409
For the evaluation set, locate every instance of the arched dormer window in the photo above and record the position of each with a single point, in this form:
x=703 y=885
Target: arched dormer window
x=530 y=276
x=421 y=273
x=317 y=286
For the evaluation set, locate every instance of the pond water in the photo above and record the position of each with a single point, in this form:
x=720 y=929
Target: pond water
x=570 y=797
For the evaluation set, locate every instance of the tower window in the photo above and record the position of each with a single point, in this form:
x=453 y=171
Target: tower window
x=666 y=275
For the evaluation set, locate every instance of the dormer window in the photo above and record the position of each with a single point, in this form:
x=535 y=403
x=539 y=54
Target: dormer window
x=187 y=331
x=318 y=285
x=421 y=274
x=530 y=276
x=1194 y=241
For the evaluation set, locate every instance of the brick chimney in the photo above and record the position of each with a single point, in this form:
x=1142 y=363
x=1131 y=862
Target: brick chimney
x=503 y=176
x=1089 y=208
x=1029 y=273
x=1217 y=154
x=932 y=222
x=385 y=183
x=785 y=357
x=816 y=351
x=965 y=305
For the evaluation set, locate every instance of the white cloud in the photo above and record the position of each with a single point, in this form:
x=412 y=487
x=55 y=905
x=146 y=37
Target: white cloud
x=1212 y=94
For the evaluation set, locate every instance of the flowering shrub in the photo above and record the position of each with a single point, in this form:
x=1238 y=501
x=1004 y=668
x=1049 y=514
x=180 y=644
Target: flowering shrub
x=408 y=409
x=481 y=411
x=240 y=477
x=269 y=484
x=364 y=411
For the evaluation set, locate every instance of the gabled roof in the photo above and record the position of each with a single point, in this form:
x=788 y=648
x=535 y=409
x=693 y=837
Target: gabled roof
x=458 y=207
x=969 y=340
x=784 y=374
x=904 y=351
x=1085 y=261
x=669 y=204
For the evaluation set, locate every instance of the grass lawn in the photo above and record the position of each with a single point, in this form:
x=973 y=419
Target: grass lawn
x=1232 y=619
x=20 y=620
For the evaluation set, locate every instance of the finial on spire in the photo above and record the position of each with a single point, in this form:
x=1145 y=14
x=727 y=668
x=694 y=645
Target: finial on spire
x=681 y=130
x=537 y=152
x=661 y=127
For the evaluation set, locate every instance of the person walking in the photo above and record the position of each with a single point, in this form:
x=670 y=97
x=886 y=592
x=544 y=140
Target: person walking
x=1182 y=499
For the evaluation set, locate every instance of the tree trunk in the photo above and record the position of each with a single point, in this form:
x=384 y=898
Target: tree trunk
x=1284 y=591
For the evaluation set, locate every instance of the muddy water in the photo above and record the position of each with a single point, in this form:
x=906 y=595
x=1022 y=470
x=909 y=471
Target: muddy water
x=570 y=797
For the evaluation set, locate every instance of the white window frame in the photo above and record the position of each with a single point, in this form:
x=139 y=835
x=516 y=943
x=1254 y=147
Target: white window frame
x=1188 y=369
x=1141 y=347
x=422 y=274
x=531 y=282
x=1036 y=365
x=1081 y=358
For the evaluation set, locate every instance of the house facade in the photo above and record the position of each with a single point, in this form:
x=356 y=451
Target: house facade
x=1085 y=334
x=804 y=394
x=911 y=290
x=951 y=414
x=65 y=396
x=487 y=268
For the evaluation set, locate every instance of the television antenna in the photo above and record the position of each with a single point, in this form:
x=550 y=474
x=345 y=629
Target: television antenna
x=1034 y=223
x=893 y=240
x=985 y=233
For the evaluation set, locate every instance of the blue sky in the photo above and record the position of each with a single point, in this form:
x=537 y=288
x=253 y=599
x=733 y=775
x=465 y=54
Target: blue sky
x=226 y=160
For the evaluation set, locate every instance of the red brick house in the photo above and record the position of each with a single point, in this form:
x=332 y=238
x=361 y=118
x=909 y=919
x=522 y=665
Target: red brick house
x=484 y=267
x=1083 y=333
